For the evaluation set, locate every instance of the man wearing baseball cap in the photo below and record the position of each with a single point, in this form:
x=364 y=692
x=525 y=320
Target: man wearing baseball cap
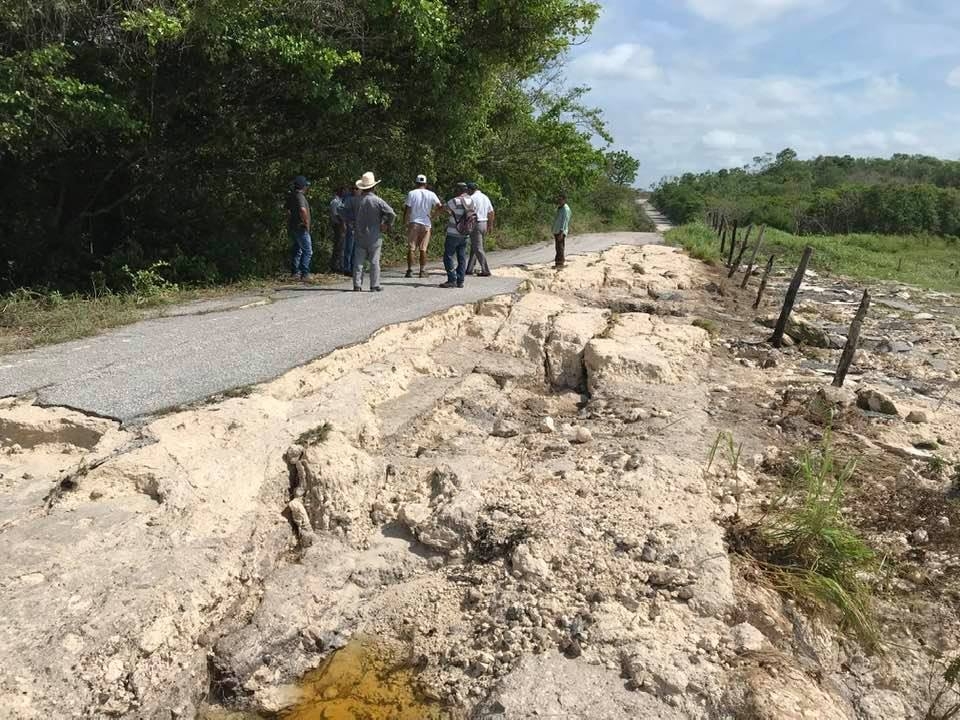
x=419 y=210
x=298 y=227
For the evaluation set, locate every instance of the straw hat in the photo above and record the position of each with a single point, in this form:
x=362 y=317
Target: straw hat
x=367 y=182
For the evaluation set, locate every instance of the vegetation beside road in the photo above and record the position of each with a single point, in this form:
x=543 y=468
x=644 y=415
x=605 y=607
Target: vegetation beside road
x=924 y=260
x=29 y=318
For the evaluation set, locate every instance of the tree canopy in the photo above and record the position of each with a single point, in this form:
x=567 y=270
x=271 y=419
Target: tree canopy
x=828 y=194
x=142 y=130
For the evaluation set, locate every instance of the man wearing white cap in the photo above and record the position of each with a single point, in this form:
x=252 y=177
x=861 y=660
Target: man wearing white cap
x=373 y=217
x=419 y=209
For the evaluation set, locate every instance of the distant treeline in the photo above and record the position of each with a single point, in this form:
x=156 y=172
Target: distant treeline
x=828 y=195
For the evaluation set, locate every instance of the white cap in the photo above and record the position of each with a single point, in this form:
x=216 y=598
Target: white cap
x=421 y=179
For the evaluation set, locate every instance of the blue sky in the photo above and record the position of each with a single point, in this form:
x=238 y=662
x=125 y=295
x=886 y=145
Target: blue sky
x=703 y=84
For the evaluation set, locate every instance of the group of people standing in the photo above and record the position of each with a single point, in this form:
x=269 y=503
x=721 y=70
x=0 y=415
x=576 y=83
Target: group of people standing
x=359 y=217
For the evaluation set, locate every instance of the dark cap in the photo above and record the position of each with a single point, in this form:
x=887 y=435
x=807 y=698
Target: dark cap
x=472 y=186
x=461 y=186
x=301 y=183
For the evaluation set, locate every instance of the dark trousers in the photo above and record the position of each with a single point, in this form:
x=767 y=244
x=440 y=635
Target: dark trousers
x=336 y=251
x=455 y=245
x=560 y=241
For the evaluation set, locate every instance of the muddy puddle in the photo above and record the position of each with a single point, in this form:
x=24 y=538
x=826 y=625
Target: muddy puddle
x=365 y=679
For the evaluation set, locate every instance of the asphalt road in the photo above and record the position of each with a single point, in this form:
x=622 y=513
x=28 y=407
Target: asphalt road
x=200 y=350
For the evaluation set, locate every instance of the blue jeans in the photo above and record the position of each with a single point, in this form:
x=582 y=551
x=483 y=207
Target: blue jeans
x=347 y=264
x=455 y=245
x=302 y=251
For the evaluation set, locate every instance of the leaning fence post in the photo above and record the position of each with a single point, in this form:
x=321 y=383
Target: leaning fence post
x=743 y=248
x=733 y=243
x=853 y=337
x=781 y=328
x=763 y=282
x=753 y=258
x=723 y=240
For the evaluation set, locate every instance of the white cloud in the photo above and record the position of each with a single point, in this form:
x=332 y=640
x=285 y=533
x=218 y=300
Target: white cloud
x=885 y=142
x=884 y=91
x=626 y=61
x=904 y=138
x=953 y=79
x=728 y=140
x=739 y=13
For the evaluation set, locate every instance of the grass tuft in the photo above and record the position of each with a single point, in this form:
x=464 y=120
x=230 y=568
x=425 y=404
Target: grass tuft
x=808 y=551
x=315 y=435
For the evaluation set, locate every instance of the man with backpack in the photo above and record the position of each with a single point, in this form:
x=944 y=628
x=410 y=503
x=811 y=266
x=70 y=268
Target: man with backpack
x=460 y=226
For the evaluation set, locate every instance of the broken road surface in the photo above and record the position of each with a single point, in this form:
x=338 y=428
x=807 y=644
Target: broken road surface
x=159 y=364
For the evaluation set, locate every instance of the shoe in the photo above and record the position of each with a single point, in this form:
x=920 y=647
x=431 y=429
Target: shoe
x=409 y=274
x=376 y=289
x=306 y=277
x=295 y=277
x=448 y=284
x=459 y=285
x=357 y=289
x=483 y=274
x=423 y=273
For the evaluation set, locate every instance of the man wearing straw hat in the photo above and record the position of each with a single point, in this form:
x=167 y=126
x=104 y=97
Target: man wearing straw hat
x=373 y=217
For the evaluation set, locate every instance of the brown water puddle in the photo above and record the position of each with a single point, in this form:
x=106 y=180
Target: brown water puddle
x=365 y=679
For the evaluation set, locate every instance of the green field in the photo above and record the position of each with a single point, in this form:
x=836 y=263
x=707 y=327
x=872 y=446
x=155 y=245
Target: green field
x=925 y=261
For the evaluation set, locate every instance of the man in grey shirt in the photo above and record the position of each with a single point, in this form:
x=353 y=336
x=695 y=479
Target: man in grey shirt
x=373 y=217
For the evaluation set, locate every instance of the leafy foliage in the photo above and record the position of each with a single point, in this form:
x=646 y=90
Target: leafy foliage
x=149 y=131
x=906 y=194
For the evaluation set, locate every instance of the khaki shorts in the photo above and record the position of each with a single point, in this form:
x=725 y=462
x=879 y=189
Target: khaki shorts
x=418 y=236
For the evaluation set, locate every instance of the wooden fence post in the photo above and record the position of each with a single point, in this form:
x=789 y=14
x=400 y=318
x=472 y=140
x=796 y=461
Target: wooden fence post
x=722 y=226
x=781 y=328
x=743 y=248
x=733 y=243
x=723 y=241
x=853 y=337
x=753 y=258
x=763 y=282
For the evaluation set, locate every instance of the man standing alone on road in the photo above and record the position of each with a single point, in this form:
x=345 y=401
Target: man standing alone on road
x=298 y=227
x=337 y=227
x=419 y=209
x=374 y=216
x=462 y=221
x=485 y=218
x=561 y=226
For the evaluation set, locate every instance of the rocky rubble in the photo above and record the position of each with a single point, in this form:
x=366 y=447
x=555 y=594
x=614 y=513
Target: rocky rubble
x=519 y=496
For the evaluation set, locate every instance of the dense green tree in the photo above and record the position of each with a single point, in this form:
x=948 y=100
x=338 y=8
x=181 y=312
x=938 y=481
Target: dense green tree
x=829 y=194
x=622 y=167
x=143 y=130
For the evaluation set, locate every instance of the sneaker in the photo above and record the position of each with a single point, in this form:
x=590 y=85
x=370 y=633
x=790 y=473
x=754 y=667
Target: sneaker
x=484 y=274
x=448 y=284
x=295 y=277
x=306 y=277
x=409 y=274
x=423 y=273
x=459 y=285
x=376 y=289
x=357 y=288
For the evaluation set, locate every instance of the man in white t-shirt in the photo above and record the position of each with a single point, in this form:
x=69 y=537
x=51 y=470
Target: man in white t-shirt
x=485 y=218
x=419 y=210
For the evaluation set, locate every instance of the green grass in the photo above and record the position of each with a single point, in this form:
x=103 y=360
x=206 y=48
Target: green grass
x=926 y=261
x=810 y=552
x=30 y=319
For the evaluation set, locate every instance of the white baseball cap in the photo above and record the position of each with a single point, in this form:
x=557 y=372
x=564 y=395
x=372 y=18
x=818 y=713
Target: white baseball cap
x=421 y=179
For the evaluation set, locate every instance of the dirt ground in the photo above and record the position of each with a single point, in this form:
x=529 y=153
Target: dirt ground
x=516 y=498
